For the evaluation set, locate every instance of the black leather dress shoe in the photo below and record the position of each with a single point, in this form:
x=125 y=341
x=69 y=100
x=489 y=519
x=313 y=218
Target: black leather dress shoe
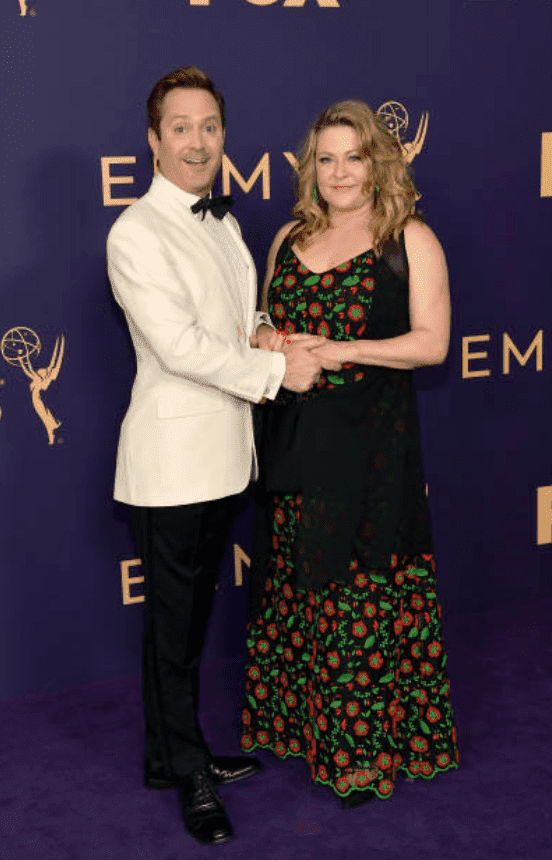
x=222 y=770
x=204 y=815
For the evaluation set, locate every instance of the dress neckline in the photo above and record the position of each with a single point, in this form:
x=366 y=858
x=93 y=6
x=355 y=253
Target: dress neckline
x=338 y=266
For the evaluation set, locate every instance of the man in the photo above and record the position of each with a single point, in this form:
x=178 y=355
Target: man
x=187 y=285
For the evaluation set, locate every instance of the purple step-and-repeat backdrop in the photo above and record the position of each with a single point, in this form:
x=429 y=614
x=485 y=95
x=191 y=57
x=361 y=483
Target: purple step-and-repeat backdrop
x=466 y=88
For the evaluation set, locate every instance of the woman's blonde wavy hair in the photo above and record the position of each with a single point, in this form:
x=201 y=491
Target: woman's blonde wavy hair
x=395 y=202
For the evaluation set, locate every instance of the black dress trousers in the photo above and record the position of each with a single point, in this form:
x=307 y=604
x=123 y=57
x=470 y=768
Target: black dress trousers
x=181 y=549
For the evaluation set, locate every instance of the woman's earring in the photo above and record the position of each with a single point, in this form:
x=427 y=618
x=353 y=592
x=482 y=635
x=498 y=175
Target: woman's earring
x=315 y=194
x=376 y=193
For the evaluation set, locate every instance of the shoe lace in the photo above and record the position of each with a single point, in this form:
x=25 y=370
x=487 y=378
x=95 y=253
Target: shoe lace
x=205 y=791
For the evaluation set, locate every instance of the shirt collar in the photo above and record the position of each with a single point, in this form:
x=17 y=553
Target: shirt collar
x=168 y=189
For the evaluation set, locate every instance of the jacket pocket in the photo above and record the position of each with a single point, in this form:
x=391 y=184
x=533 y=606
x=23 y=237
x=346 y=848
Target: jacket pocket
x=192 y=403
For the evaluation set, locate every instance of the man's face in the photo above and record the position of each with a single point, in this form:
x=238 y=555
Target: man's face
x=192 y=138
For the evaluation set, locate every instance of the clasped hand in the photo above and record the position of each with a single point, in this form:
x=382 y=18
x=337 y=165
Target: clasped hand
x=306 y=356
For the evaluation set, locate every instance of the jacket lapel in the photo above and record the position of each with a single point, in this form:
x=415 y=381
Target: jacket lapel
x=167 y=194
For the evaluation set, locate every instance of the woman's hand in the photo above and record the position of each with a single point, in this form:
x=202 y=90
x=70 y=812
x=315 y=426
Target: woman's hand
x=331 y=354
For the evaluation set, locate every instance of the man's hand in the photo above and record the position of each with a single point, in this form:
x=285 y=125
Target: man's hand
x=267 y=338
x=302 y=367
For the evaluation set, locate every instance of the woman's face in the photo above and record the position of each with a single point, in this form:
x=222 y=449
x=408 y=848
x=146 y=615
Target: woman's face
x=340 y=171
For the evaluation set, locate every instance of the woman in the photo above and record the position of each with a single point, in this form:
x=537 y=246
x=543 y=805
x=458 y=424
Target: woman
x=346 y=665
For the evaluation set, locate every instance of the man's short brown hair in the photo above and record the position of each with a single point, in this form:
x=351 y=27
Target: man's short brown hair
x=189 y=77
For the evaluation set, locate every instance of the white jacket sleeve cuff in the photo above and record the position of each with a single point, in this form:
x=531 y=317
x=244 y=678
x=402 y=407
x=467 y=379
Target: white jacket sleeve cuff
x=276 y=376
x=260 y=318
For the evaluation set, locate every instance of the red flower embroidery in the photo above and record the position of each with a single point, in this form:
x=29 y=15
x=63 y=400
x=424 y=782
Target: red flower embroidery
x=341 y=758
x=315 y=309
x=375 y=660
x=323 y=329
x=419 y=744
x=352 y=708
x=360 y=728
x=355 y=312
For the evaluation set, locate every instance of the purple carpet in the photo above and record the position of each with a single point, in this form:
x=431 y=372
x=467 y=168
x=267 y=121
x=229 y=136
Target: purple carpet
x=71 y=765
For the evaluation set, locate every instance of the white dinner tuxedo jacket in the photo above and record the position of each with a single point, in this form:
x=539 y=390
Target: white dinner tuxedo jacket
x=187 y=435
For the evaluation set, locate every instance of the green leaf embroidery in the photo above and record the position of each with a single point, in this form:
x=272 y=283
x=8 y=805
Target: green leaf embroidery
x=302 y=680
x=424 y=634
x=344 y=679
x=443 y=689
x=387 y=678
x=350 y=281
x=344 y=606
x=279 y=649
x=413 y=633
x=375 y=577
x=378 y=706
x=349 y=739
x=418 y=571
x=284 y=708
x=305 y=657
x=335 y=380
x=340 y=307
x=274 y=673
x=277 y=282
x=369 y=642
x=425 y=728
x=316 y=732
x=301 y=306
x=291 y=621
x=252 y=702
x=385 y=605
x=334 y=704
x=308 y=282
x=430 y=594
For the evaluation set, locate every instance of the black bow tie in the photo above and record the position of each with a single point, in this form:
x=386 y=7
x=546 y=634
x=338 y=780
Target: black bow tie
x=219 y=206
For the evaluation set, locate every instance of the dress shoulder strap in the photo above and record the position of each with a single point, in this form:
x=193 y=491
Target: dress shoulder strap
x=394 y=254
x=282 y=251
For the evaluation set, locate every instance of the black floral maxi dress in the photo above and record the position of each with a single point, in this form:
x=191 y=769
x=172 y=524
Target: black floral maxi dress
x=350 y=676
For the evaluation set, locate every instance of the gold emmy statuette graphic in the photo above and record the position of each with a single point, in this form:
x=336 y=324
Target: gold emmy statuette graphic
x=395 y=117
x=18 y=346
